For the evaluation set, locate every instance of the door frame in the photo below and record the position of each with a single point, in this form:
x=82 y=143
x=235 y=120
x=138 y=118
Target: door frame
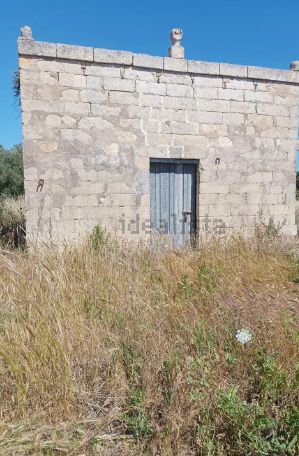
x=190 y=161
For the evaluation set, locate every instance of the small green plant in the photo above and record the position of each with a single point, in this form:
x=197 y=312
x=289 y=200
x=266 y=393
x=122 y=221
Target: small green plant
x=185 y=287
x=136 y=421
x=267 y=228
x=98 y=237
x=203 y=340
x=169 y=370
x=270 y=376
x=230 y=358
x=132 y=364
x=251 y=426
x=206 y=279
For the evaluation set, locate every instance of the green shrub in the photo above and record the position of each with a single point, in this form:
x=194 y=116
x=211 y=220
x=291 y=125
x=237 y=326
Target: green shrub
x=11 y=172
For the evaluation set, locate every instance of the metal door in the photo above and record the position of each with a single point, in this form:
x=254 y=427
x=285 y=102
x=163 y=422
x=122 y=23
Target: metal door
x=173 y=199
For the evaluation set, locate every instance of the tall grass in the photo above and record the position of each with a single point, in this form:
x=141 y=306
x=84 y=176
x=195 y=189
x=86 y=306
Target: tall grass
x=12 y=221
x=108 y=349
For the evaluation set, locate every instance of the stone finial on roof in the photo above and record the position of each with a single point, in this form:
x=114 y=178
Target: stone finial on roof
x=26 y=33
x=176 y=51
x=295 y=65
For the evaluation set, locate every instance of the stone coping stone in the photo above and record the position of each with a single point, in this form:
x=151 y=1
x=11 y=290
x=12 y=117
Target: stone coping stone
x=97 y=55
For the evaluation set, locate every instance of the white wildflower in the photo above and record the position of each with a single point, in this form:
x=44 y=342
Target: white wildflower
x=243 y=336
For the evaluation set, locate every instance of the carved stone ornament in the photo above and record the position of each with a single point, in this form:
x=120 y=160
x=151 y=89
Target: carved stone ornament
x=26 y=33
x=176 y=36
x=176 y=51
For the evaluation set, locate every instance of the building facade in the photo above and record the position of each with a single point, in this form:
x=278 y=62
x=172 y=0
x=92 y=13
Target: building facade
x=145 y=145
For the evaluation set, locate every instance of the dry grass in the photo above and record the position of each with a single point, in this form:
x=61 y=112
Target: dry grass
x=11 y=211
x=122 y=351
x=12 y=222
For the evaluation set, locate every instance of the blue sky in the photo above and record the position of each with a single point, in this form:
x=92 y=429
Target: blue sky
x=255 y=32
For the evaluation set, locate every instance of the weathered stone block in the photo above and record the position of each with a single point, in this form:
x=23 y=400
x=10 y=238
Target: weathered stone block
x=42 y=105
x=171 y=64
x=227 y=69
x=36 y=48
x=148 y=61
x=141 y=75
x=70 y=95
x=150 y=100
x=233 y=118
x=214 y=105
x=207 y=81
x=214 y=188
x=76 y=135
x=88 y=123
x=263 y=97
x=93 y=188
x=213 y=131
x=272 y=109
x=137 y=112
x=102 y=71
x=150 y=88
x=124 y=98
x=152 y=126
x=179 y=103
x=260 y=121
x=41 y=92
x=230 y=94
x=159 y=139
x=77 y=107
x=168 y=114
x=175 y=78
x=281 y=121
x=122 y=85
x=93 y=96
x=85 y=201
x=189 y=140
x=66 y=51
x=72 y=80
x=179 y=90
x=241 y=84
x=94 y=82
x=42 y=78
x=133 y=124
x=244 y=107
x=195 y=66
x=59 y=66
x=205 y=117
x=172 y=126
x=123 y=199
x=206 y=92
x=271 y=74
x=108 y=56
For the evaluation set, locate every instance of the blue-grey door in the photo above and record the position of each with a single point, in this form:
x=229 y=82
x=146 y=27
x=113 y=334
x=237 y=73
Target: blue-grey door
x=173 y=199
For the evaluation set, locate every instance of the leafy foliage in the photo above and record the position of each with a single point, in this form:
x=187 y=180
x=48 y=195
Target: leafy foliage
x=11 y=171
x=16 y=87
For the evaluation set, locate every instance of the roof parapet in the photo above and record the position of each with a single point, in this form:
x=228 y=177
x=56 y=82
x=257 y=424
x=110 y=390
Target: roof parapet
x=27 y=46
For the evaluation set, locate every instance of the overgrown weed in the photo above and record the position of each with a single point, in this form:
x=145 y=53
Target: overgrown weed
x=135 y=350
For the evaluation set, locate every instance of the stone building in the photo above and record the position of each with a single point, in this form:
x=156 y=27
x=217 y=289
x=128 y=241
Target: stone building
x=143 y=145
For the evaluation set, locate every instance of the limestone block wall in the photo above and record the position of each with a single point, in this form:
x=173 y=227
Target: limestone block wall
x=93 y=118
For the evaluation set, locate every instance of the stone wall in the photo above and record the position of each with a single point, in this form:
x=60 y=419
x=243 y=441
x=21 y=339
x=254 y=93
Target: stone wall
x=93 y=118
